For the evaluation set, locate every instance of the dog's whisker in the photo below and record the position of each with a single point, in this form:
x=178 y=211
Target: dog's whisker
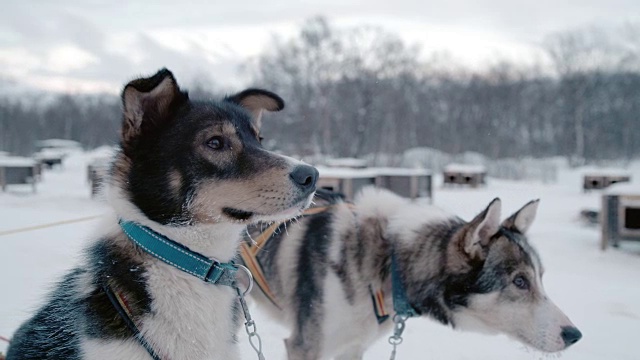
x=249 y=198
x=246 y=230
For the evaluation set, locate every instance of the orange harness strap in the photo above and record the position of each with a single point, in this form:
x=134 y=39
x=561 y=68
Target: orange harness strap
x=377 y=298
x=249 y=253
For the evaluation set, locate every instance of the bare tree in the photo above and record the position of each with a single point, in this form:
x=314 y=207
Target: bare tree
x=358 y=91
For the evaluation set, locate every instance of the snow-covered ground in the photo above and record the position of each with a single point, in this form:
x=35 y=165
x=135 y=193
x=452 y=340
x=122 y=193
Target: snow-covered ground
x=598 y=290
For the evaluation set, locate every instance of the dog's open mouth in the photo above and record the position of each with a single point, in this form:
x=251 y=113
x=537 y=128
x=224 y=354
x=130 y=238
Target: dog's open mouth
x=291 y=212
x=242 y=215
x=237 y=214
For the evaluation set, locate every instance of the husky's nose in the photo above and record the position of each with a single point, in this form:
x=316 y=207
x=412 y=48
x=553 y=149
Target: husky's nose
x=305 y=177
x=570 y=335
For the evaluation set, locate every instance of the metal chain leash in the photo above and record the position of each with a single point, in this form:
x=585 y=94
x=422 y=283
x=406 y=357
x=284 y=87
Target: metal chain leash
x=249 y=325
x=398 y=328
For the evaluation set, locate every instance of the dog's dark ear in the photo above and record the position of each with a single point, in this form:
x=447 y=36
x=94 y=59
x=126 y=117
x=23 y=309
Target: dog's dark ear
x=481 y=229
x=148 y=102
x=521 y=220
x=257 y=101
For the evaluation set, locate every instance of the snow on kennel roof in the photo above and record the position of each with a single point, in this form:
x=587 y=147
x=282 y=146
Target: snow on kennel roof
x=8 y=161
x=57 y=143
x=340 y=172
x=465 y=168
x=623 y=189
x=369 y=172
x=49 y=153
x=593 y=171
x=391 y=171
x=347 y=162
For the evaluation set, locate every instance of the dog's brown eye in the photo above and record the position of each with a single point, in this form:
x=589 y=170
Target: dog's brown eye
x=216 y=143
x=521 y=282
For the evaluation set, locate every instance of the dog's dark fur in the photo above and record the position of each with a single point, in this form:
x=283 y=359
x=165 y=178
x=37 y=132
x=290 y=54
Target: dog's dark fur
x=194 y=171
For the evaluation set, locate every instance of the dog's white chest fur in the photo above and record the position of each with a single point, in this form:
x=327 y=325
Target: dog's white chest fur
x=189 y=319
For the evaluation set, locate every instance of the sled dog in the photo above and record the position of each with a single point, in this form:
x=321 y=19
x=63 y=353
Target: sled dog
x=330 y=275
x=158 y=281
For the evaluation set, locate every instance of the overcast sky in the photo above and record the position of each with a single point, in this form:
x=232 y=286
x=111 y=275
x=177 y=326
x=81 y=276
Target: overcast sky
x=95 y=45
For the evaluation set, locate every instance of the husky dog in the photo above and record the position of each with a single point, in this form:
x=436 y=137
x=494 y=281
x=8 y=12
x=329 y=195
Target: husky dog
x=196 y=173
x=478 y=275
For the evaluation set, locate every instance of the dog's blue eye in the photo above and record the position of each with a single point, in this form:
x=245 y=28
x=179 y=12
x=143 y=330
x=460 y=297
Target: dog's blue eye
x=216 y=143
x=521 y=282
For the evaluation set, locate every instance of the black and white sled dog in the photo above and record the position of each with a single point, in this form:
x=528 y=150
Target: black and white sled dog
x=193 y=172
x=325 y=271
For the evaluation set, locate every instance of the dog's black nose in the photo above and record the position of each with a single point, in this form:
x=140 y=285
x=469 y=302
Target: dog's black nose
x=570 y=335
x=305 y=177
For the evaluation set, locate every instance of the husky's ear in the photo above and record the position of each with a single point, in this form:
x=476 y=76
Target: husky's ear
x=521 y=220
x=148 y=102
x=256 y=101
x=480 y=230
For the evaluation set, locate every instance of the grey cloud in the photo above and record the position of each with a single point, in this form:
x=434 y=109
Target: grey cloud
x=39 y=33
x=41 y=25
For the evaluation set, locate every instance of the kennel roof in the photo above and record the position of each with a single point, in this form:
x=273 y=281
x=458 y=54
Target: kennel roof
x=8 y=161
x=609 y=171
x=369 y=172
x=465 y=168
x=630 y=188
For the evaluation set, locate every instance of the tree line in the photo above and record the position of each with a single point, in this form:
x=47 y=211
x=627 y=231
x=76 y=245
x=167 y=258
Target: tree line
x=93 y=120
x=358 y=91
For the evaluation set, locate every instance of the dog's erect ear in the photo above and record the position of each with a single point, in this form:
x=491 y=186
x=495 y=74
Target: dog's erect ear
x=148 y=102
x=256 y=101
x=480 y=230
x=522 y=219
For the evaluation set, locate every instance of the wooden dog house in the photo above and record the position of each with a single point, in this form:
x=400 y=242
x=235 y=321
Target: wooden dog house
x=410 y=183
x=602 y=180
x=18 y=170
x=620 y=215
x=461 y=174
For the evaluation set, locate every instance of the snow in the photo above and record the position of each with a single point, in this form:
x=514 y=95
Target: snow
x=58 y=143
x=624 y=188
x=9 y=161
x=389 y=171
x=465 y=168
x=608 y=171
x=347 y=162
x=337 y=172
x=598 y=290
x=51 y=153
x=102 y=153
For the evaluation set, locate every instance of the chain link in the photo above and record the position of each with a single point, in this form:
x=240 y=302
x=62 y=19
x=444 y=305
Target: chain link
x=250 y=326
x=254 y=339
x=398 y=328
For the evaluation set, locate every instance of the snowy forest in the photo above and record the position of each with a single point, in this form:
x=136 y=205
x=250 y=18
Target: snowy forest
x=362 y=90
